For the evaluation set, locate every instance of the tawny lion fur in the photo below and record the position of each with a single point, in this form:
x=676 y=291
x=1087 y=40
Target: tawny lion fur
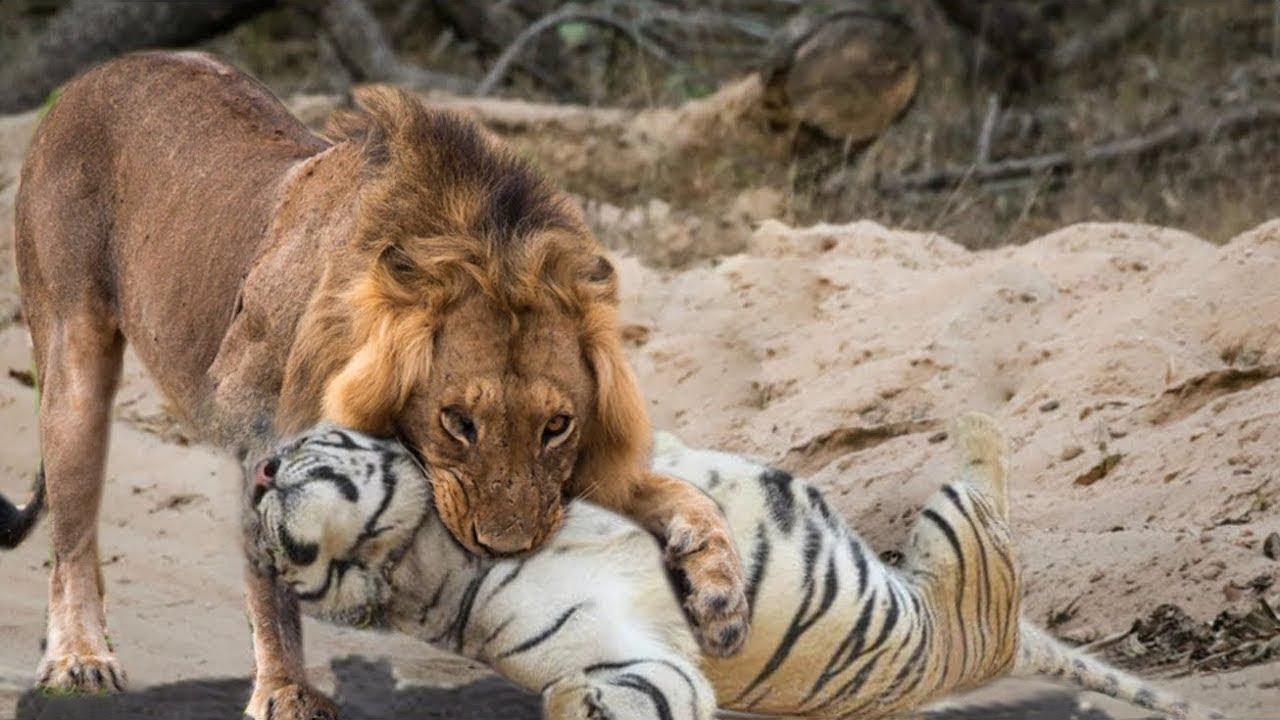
x=405 y=275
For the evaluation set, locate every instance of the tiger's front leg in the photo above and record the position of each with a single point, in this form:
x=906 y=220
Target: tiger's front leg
x=639 y=690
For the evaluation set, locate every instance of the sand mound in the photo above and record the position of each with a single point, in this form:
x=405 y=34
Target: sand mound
x=1136 y=370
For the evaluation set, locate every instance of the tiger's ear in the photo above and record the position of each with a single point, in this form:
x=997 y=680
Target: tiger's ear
x=372 y=388
x=617 y=442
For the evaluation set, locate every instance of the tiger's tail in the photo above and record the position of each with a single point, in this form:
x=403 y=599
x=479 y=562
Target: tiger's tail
x=1041 y=655
x=16 y=522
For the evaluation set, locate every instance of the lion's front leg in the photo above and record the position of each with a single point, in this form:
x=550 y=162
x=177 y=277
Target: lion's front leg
x=698 y=546
x=280 y=687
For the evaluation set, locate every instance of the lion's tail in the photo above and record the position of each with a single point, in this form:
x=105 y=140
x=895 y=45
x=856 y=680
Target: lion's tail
x=16 y=522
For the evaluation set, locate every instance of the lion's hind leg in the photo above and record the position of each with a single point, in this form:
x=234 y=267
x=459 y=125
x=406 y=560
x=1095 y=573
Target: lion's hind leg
x=638 y=690
x=79 y=373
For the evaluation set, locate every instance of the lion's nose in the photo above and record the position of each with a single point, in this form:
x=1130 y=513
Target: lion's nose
x=264 y=476
x=504 y=543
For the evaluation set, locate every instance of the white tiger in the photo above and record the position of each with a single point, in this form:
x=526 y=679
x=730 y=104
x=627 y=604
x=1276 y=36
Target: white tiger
x=592 y=623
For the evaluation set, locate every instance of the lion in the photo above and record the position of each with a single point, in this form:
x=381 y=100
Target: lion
x=403 y=274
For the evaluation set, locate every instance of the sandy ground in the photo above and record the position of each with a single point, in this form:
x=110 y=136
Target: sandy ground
x=1136 y=369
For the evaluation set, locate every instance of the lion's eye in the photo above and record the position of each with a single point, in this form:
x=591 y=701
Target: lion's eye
x=457 y=424
x=556 y=429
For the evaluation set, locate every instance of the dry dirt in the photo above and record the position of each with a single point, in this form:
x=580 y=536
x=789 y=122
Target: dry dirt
x=1136 y=369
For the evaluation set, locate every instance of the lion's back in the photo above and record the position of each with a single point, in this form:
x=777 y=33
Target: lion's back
x=152 y=180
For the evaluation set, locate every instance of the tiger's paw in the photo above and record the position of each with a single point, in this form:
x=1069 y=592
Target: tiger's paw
x=81 y=673
x=574 y=699
x=293 y=701
x=716 y=597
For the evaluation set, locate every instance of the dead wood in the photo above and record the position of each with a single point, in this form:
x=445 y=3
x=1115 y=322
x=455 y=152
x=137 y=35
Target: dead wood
x=1180 y=133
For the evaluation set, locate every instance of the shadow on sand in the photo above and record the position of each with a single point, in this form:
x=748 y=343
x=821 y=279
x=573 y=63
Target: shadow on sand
x=366 y=690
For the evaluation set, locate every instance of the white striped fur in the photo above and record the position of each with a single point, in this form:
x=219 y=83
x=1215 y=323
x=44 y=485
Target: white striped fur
x=591 y=620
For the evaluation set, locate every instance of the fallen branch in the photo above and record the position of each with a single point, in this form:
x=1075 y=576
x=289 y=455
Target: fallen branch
x=567 y=14
x=364 y=51
x=85 y=32
x=1182 y=133
x=988 y=130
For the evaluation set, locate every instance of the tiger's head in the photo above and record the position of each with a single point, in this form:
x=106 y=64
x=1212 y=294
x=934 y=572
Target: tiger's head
x=337 y=510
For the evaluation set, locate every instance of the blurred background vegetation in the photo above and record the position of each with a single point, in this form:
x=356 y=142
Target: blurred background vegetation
x=989 y=121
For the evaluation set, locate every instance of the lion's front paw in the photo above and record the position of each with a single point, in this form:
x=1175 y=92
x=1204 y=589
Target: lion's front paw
x=291 y=702
x=716 y=597
x=81 y=673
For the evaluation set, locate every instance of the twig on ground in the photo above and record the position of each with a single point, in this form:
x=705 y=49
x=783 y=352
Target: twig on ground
x=1180 y=133
x=988 y=129
x=1105 y=642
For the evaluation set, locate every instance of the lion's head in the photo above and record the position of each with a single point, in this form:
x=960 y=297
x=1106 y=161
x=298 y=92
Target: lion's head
x=476 y=321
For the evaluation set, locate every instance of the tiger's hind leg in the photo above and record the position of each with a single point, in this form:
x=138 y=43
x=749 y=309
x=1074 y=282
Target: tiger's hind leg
x=641 y=690
x=960 y=554
x=984 y=458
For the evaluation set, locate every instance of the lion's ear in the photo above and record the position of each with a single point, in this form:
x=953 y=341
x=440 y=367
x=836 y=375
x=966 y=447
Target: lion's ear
x=599 y=278
x=373 y=387
x=618 y=440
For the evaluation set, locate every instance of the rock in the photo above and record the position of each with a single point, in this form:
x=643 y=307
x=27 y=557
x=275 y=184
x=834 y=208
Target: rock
x=1071 y=452
x=1099 y=470
x=1232 y=592
x=1050 y=406
x=1271 y=546
x=847 y=74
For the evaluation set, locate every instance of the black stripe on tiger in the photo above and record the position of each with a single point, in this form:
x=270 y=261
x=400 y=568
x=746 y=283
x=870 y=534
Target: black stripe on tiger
x=458 y=628
x=913 y=667
x=543 y=636
x=299 y=553
x=861 y=648
x=855 y=684
x=799 y=622
x=388 y=492
x=506 y=580
x=342 y=482
x=641 y=685
x=693 y=689
x=344 y=442
x=336 y=571
x=847 y=650
x=496 y=632
x=860 y=560
x=961 y=575
x=984 y=580
x=779 y=497
x=759 y=561
x=434 y=600
x=819 y=503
